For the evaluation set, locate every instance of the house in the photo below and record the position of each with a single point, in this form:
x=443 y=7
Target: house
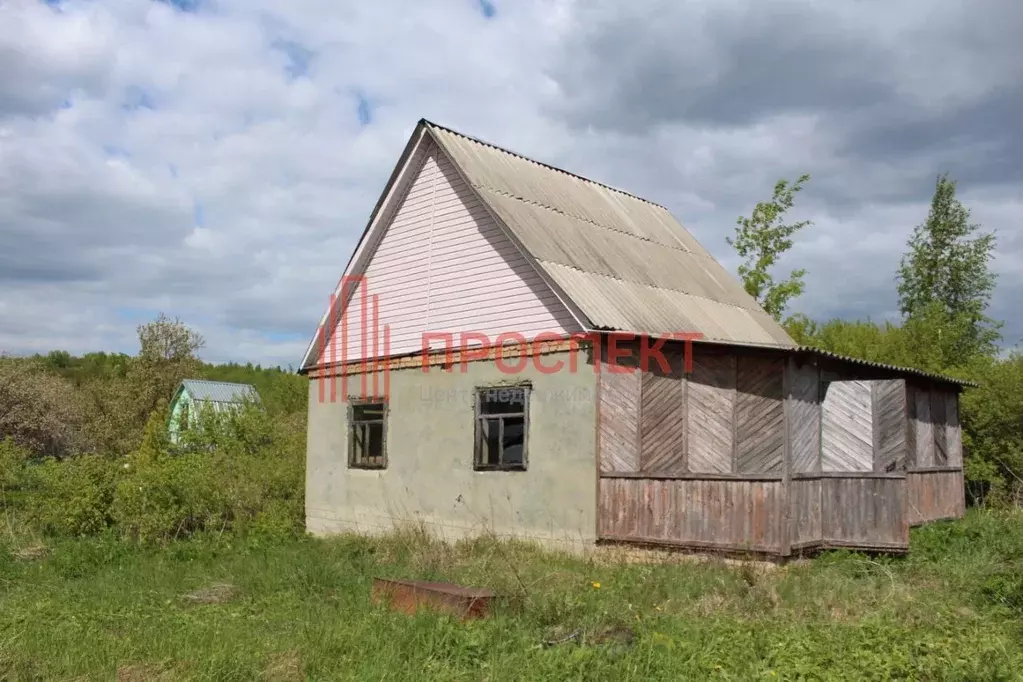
x=193 y=396
x=480 y=369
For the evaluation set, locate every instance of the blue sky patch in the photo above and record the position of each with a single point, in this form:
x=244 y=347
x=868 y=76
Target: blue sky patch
x=183 y=5
x=298 y=56
x=488 y=8
x=136 y=98
x=116 y=152
x=199 y=214
x=364 y=110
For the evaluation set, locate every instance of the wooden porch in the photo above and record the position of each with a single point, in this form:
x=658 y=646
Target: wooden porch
x=774 y=454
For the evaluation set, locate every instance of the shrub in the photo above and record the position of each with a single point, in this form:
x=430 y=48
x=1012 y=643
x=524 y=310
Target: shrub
x=74 y=496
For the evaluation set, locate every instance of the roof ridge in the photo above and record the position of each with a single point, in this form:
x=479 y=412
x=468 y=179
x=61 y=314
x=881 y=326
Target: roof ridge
x=541 y=163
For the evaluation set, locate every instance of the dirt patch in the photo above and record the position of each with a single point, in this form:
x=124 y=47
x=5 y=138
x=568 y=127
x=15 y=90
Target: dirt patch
x=32 y=553
x=143 y=672
x=217 y=593
x=284 y=666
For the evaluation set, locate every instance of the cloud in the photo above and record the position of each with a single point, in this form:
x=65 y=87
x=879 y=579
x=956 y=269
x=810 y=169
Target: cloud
x=218 y=160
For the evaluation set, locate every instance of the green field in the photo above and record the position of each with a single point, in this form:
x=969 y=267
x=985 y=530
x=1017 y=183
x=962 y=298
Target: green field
x=223 y=608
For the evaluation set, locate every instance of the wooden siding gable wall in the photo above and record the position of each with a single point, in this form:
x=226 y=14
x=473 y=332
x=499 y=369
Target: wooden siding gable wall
x=444 y=265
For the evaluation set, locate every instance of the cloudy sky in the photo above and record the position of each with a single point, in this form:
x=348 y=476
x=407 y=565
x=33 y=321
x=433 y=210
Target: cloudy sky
x=217 y=159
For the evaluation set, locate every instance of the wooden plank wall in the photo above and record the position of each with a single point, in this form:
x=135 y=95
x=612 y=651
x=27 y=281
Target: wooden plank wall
x=618 y=434
x=933 y=435
x=804 y=415
x=847 y=438
x=923 y=427
x=759 y=415
x=711 y=413
x=864 y=512
x=889 y=420
x=727 y=514
x=663 y=417
x=805 y=500
x=933 y=495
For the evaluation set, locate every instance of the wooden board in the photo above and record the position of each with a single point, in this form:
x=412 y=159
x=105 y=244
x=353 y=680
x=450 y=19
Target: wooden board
x=889 y=420
x=805 y=501
x=729 y=514
x=710 y=413
x=864 y=512
x=663 y=424
x=938 y=428
x=953 y=431
x=619 y=420
x=923 y=428
x=805 y=418
x=933 y=495
x=847 y=439
x=759 y=415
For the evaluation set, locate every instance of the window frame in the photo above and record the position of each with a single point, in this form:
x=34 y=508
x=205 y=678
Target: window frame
x=479 y=418
x=360 y=463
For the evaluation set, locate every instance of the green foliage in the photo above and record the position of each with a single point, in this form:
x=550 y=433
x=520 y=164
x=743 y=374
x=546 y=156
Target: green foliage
x=993 y=427
x=947 y=268
x=761 y=239
x=302 y=609
x=234 y=471
x=74 y=496
x=13 y=458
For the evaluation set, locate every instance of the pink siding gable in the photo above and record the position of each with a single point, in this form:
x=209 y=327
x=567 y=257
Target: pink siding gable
x=444 y=266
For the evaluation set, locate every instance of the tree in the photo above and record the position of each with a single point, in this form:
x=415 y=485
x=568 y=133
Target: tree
x=946 y=272
x=761 y=239
x=38 y=410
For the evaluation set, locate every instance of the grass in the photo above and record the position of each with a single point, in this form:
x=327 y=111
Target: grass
x=224 y=608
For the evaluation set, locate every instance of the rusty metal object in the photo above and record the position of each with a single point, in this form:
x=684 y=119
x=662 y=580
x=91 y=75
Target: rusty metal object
x=409 y=596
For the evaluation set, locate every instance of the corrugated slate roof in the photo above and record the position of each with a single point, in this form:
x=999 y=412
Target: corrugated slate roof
x=881 y=365
x=625 y=262
x=219 y=391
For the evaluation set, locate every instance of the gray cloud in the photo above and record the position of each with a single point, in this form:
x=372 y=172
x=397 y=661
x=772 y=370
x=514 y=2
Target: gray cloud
x=253 y=113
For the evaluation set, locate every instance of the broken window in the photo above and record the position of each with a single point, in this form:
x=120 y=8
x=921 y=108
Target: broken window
x=502 y=421
x=367 y=447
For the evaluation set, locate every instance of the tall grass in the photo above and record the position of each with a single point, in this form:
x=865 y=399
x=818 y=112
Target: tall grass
x=220 y=607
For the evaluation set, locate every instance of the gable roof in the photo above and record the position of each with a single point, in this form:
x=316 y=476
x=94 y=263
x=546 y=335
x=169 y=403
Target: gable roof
x=218 y=391
x=618 y=262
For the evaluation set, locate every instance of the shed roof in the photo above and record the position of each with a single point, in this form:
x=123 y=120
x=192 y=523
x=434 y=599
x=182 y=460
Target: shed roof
x=219 y=391
x=626 y=263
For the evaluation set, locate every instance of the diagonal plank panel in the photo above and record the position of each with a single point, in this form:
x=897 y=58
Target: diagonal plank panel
x=847 y=439
x=662 y=428
x=759 y=415
x=711 y=404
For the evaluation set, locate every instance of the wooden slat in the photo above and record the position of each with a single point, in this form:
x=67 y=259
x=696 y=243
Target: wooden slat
x=619 y=420
x=924 y=429
x=889 y=407
x=711 y=403
x=760 y=415
x=847 y=440
x=938 y=427
x=934 y=495
x=805 y=418
x=805 y=496
x=864 y=512
x=662 y=428
x=954 y=434
x=726 y=514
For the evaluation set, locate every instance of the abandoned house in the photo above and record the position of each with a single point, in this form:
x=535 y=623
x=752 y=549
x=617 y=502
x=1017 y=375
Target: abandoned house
x=426 y=405
x=194 y=396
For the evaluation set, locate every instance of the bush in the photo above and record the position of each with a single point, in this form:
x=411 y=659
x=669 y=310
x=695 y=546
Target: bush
x=74 y=496
x=235 y=471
